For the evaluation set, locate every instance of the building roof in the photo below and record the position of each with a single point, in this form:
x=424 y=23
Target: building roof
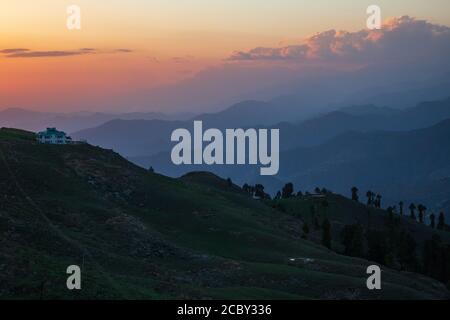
x=52 y=131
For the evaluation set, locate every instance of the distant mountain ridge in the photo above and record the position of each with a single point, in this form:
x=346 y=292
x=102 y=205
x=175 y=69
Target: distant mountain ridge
x=370 y=109
x=147 y=143
x=391 y=162
x=402 y=165
x=309 y=132
x=363 y=118
x=144 y=142
x=75 y=121
x=148 y=137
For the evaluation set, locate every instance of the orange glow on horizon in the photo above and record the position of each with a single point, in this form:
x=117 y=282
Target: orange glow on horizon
x=168 y=41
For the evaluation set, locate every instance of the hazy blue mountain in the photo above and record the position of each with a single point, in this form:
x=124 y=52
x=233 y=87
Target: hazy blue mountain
x=367 y=146
x=398 y=97
x=22 y=118
x=308 y=95
x=149 y=137
x=369 y=109
x=244 y=114
x=401 y=165
x=132 y=137
x=140 y=138
x=75 y=121
x=320 y=129
x=412 y=165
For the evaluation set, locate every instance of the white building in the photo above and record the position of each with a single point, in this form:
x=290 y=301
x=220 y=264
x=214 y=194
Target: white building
x=53 y=136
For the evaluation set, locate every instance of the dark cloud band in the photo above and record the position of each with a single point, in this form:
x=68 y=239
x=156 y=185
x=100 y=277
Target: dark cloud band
x=27 y=53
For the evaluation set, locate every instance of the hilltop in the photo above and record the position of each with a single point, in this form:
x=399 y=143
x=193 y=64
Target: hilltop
x=138 y=234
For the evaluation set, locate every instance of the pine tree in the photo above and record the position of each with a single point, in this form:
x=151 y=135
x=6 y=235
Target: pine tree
x=259 y=191
x=412 y=209
x=390 y=211
x=378 y=201
x=401 y=207
x=422 y=210
x=432 y=221
x=369 y=195
x=287 y=191
x=441 y=221
x=326 y=233
x=355 y=196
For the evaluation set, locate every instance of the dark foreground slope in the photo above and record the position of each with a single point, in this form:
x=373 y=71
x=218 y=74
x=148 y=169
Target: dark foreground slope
x=137 y=234
x=342 y=212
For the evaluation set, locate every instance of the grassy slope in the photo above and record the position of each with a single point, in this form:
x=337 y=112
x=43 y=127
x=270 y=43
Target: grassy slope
x=141 y=235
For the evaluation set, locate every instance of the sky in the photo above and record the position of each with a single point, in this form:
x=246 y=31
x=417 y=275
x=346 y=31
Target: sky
x=134 y=46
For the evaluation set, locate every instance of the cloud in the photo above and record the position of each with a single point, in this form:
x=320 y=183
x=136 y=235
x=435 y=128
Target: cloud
x=42 y=54
x=14 y=50
x=123 y=50
x=399 y=38
x=27 y=53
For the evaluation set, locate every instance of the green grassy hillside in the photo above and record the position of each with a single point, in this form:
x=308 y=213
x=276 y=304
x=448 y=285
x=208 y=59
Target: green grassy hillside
x=140 y=235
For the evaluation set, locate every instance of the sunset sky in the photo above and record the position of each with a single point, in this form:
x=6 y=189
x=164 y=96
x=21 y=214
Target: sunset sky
x=135 y=45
